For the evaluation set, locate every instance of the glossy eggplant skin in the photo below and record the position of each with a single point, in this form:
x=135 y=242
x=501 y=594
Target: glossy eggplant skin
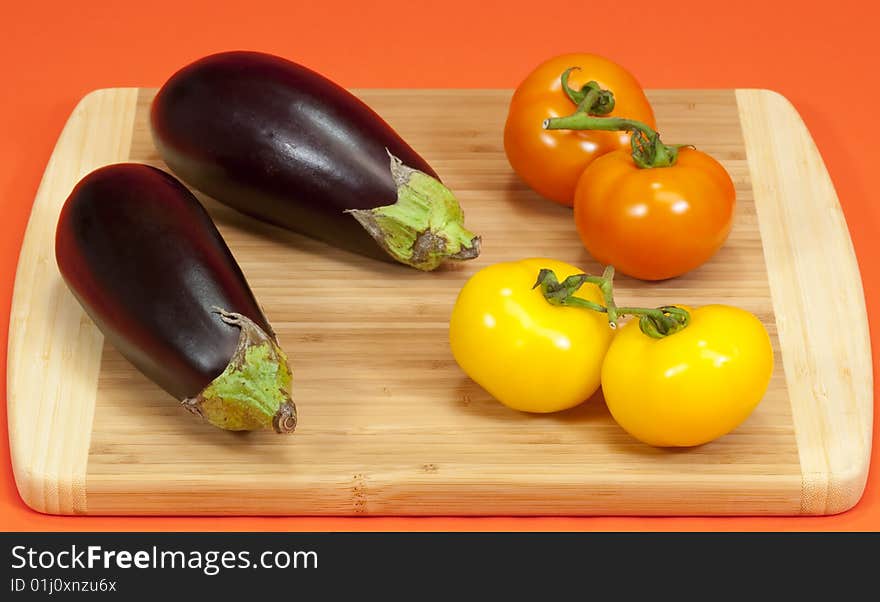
x=146 y=262
x=282 y=143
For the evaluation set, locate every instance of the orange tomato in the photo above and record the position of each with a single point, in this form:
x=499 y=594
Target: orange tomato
x=550 y=162
x=654 y=223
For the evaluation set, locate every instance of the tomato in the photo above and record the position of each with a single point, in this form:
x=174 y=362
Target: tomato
x=528 y=354
x=692 y=386
x=550 y=162
x=654 y=223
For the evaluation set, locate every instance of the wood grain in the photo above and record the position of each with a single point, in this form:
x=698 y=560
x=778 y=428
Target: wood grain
x=390 y=425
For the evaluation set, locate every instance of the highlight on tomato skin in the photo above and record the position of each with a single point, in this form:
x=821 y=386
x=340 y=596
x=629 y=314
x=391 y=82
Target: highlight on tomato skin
x=693 y=386
x=550 y=163
x=656 y=223
x=529 y=355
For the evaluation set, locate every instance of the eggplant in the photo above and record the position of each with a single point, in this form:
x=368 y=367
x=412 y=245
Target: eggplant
x=146 y=262
x=284 y=144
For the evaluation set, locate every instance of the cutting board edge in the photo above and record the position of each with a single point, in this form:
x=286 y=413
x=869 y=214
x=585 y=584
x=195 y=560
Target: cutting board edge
x=440 y=494
x=834 y=469
x=52 y=480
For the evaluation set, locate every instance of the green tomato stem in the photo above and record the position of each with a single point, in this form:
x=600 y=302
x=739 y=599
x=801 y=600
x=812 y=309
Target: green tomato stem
x=654 y=322
x=591 y=98
x=647 y=149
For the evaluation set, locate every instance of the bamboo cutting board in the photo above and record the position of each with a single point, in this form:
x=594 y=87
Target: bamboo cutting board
x=388 y=423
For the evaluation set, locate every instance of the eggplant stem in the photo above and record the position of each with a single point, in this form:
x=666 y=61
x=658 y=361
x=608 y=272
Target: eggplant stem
x=285 y=418
x=424 y=227
x=253 y=392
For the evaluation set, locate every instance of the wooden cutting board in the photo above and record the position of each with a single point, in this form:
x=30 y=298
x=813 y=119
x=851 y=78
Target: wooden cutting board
x=388 y=422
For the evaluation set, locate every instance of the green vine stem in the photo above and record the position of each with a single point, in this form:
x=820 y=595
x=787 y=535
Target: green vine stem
x=647 y=148
x=654 y=322
x=591 y=98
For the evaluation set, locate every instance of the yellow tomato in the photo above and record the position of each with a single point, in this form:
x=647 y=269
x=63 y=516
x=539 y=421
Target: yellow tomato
x=528 y=354
x=692 y=386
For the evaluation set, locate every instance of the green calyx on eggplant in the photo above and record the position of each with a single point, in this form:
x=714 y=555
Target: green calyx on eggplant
x=286 y=145
x=144 y=259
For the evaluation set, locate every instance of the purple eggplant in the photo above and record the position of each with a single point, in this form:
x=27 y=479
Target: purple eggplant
x=284 y=144
x=148 y=265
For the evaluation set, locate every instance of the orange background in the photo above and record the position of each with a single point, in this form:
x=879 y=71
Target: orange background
x=823 y=57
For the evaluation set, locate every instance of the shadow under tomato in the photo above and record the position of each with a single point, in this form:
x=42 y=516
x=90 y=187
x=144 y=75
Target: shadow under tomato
x=633 y=447
x=523 y=199
x=473 y=399
x=591 y=418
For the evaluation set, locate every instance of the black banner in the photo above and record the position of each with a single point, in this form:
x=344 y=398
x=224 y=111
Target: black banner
x=126 y=566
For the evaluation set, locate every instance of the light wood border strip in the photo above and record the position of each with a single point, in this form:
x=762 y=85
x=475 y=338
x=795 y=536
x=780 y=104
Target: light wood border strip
x=814 y=279
x=54 y=349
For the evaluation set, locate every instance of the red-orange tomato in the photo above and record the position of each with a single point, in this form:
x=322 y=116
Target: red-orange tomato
x=550 y=162
x=654 y=223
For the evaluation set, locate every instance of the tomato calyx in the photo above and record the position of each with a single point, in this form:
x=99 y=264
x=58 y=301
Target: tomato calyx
x=591 y=98
x=591 y=102
x=654 y=322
